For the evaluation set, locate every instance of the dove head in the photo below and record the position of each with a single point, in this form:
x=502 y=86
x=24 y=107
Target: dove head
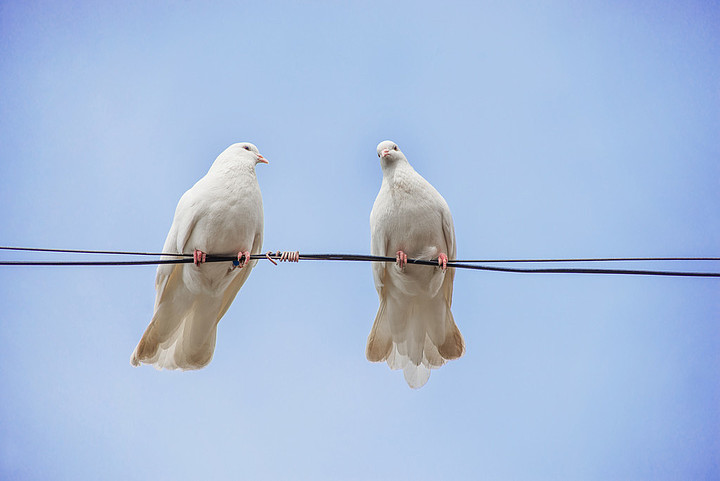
x=249 y=151
x=388 y=151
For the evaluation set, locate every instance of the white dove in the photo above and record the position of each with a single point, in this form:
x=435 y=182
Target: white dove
x=222 y=213
x=414 y=329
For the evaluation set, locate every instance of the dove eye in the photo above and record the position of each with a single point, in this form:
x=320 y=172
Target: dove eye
x=246 y=147
x=394 y=147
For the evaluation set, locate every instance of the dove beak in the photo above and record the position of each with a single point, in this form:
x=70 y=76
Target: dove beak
x=262 y=159
x=384 y=153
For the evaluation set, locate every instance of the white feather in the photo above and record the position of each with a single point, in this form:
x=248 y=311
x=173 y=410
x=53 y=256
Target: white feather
x=414 y=329
x=221 y=214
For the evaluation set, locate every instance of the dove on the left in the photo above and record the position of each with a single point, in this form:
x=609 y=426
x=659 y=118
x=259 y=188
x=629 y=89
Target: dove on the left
x=221 y=214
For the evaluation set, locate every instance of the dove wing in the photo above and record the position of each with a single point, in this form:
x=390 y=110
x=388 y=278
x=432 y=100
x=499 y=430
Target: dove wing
x=379 y=343
x=240 y=279
x=449 y=234
x=173 y=300
x=186 y=215
x=378 y=247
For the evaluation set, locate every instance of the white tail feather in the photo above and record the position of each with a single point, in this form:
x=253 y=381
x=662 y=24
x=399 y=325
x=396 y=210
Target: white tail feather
x=410 y=334
x=190 y=345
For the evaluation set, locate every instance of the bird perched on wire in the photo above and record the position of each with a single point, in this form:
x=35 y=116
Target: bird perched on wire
x=414 y=329
x=221 y=214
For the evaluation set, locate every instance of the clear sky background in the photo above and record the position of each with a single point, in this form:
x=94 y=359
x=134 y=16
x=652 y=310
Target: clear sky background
x=563 y=130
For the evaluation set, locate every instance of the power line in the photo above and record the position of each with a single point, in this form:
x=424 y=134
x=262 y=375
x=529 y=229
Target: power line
x=593 y=259
x=460 y=264
x=364 y=257
x=80 y=251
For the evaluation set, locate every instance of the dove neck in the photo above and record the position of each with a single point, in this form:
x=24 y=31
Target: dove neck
x=392 y=166
x=221 y=167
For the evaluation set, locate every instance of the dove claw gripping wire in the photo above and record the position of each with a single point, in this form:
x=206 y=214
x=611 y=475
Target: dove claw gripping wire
x=243 y=258
x=442 y=261
x=199 y=257
x=401 y=259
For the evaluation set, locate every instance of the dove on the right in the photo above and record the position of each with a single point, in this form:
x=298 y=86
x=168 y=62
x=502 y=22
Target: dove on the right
x=414 y=329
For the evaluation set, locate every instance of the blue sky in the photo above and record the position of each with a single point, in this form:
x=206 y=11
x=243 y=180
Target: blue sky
x=568 y=129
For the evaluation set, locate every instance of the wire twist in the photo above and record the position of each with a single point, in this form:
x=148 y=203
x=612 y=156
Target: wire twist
x=283 y=256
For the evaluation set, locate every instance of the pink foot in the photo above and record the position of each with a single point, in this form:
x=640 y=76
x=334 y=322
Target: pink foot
x=243 y=258
x=401 y=259
x=198 y=257
x=442 y=261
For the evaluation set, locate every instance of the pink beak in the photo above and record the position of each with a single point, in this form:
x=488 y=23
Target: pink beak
x=262 y=159
x=384 y=152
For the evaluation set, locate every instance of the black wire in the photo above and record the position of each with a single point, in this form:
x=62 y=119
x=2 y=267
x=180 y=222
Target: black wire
x=79 y=251
x=594 y=259
x=370 y=258
x=365 y=258
x=463 y=265
x=125 y=263
x=636 y=272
